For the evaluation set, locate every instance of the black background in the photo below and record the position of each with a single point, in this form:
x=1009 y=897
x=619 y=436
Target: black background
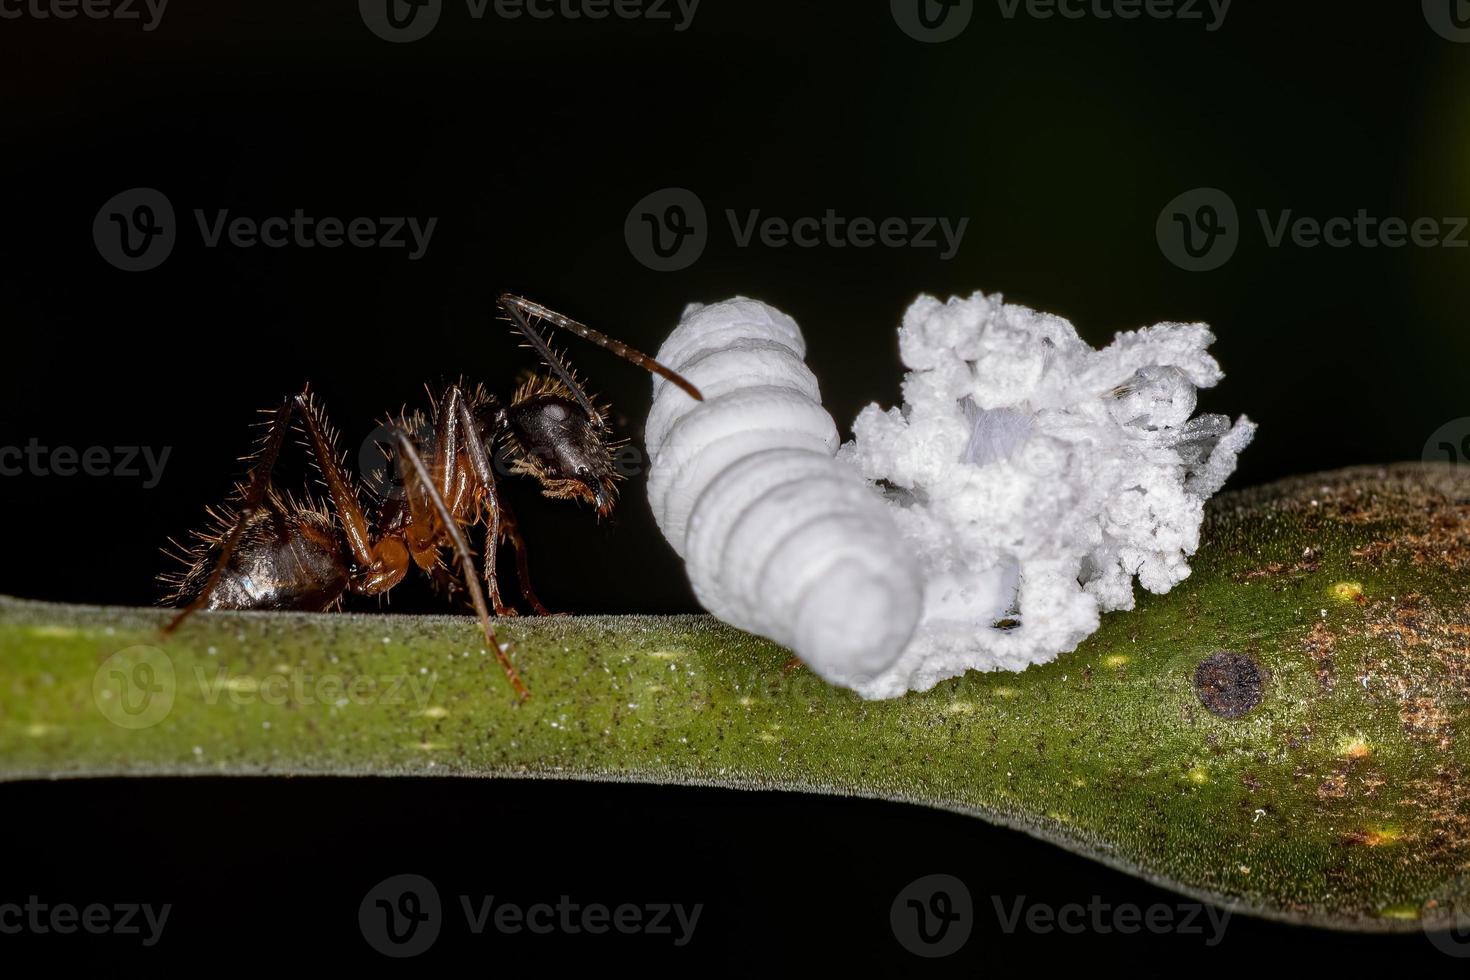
x=530 y=141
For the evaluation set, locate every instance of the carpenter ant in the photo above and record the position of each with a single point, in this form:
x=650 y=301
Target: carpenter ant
x=269 y=551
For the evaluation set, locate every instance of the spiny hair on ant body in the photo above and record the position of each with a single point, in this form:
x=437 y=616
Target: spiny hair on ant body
x=266 y=550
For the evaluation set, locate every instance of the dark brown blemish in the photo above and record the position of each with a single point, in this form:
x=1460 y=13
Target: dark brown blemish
x=1229 y=684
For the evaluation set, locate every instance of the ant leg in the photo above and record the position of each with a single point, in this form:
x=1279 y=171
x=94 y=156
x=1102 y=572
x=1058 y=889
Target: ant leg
x=382 y=571
x=484 y=473
x=523 y=567
x=410 y=462
x=500 y=513
x=252 y=498
x=458 y=432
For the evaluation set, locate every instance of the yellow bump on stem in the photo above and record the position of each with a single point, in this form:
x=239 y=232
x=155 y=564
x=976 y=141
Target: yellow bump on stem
x=1404 y=911
x=1347 y=591
x=48 y=632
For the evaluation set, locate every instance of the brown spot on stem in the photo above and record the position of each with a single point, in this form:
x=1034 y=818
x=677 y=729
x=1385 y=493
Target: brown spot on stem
x=1229 y=684
x=1321 y=646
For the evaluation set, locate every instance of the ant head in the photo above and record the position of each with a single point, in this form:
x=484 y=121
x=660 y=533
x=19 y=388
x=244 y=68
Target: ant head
x=555 y=440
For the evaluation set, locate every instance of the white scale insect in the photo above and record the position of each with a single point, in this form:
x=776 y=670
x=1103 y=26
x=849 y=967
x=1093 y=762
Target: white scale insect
x=779 y=538
x=1027 y=480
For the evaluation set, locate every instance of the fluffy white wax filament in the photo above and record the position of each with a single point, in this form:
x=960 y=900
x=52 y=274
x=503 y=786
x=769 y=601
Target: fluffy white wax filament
x=778 y=537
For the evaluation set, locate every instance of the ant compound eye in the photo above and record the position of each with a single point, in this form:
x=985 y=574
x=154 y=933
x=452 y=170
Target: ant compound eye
x=584 y=474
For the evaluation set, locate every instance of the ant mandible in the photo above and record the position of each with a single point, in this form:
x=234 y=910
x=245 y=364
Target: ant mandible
x=269 y=551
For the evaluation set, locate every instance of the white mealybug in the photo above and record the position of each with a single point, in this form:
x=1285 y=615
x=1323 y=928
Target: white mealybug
x=1026 y=481
x=779 y=538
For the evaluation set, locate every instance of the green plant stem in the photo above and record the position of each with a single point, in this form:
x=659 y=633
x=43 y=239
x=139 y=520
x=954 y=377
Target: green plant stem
x=1339 y=800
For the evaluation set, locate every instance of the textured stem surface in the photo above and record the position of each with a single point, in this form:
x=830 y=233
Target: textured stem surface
x=1280 y=734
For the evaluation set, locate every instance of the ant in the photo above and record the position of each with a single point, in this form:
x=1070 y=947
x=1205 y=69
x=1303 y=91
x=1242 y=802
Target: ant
x=269 y=551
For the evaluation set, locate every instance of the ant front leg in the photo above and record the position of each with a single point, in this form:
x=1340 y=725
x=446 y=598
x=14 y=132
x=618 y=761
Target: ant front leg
x=501 y=520
x=458 y=437
x=523 y=568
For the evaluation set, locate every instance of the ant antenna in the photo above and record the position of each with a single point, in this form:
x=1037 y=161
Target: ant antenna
x=519 y=308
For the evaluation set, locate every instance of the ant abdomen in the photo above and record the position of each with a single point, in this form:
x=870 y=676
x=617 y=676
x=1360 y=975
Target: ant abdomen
x=287 y=558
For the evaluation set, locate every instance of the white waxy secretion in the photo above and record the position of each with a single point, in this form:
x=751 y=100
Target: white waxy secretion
x=779 y=538
x=1027 y=480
